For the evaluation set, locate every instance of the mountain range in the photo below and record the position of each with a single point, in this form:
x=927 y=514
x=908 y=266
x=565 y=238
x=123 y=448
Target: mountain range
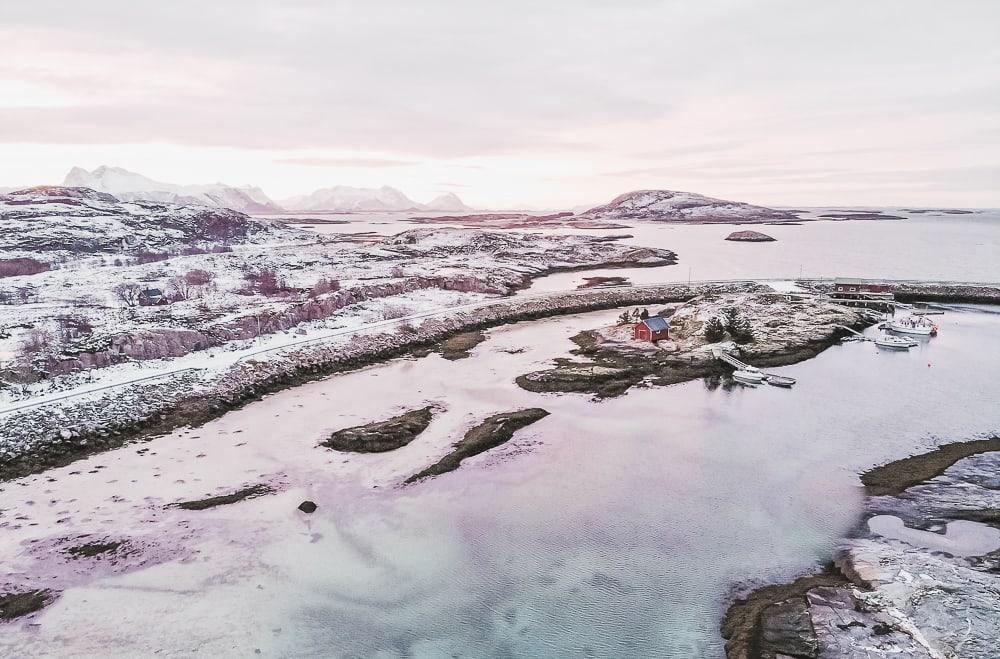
x=131 y=186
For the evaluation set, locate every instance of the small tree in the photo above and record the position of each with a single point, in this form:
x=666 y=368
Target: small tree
x=127 y=293
x=644 y=314
x=715 y=331
x=738 y=326
x=625 y=318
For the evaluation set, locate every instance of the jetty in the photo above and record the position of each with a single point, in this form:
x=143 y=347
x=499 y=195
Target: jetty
x=770 y=378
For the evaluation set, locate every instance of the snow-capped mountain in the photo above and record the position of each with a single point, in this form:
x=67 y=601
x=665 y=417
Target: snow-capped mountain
x=672 y=206
x=386 y=198
x=81 y=220
x=130 y=186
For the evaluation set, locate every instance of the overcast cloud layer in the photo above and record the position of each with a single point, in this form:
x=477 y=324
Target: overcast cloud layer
x=550 y=104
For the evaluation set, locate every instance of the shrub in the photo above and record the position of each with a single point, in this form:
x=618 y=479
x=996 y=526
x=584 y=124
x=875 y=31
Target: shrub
x=151 y=257
x=264 y=281
x=324 y=286
x=391 y=311
x=21 y=266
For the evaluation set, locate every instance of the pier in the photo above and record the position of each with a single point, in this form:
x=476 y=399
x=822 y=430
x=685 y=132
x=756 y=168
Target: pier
x=770 y=378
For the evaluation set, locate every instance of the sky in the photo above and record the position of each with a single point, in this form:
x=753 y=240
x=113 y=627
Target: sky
x=514 y=104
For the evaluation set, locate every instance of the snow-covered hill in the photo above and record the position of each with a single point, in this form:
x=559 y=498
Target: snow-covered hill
x=386 y=198
x=131 y=186
x=671 y=206
x=80 y=220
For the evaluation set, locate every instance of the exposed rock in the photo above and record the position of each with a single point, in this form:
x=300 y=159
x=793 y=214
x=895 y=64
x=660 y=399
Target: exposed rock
x=895 y=477
x=225 y=499
x=915 y=592
x=16 y=605
x=597 y=282
x=460 y=345
x=307 y=507
x=492 y=432
x=382 y=436
x=94 y=549
x=749 y=237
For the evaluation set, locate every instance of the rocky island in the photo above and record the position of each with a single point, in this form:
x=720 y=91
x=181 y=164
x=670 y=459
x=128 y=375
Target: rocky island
x=752 y=322
x=684 y=207
x=750 y=237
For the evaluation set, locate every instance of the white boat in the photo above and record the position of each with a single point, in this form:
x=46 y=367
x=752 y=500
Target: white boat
x=748 y=377
x=894 y=342
x=917 y=325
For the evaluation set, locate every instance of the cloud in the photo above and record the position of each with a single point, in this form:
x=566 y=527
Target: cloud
x=527 y=92
x=344 y=162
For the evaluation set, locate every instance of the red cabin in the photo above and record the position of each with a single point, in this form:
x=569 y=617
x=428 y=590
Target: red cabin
x=652 y=329
x=859 y=286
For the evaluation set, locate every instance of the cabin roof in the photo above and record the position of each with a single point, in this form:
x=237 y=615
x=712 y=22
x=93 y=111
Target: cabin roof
x=656 y=323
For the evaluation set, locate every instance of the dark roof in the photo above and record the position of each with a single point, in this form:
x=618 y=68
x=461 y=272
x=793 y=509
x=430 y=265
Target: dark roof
x=152 y=292
x=656 y=323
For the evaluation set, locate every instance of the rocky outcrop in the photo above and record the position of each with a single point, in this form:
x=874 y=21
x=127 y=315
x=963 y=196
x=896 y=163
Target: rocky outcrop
x=226 y=499
x=381 y=436
x=923 y=569
x=489 y=434
x=749 y=237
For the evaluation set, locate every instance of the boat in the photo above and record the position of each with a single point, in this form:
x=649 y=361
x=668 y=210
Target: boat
x=748 y=377
x=917 y=325
x=894 y=342
x=779 y=380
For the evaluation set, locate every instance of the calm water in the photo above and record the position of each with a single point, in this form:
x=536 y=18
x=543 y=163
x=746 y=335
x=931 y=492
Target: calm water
x=947 y=247
x=611 y=529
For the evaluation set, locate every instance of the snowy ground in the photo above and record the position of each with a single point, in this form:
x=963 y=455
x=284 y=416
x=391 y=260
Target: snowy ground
x=234 y=314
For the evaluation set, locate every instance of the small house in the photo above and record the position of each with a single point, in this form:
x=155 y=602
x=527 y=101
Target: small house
x=152 y=297
x=652 y=329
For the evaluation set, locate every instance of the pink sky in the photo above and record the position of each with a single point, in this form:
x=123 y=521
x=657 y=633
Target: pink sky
x=518 y=103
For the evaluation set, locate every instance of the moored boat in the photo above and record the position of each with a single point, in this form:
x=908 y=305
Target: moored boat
x=894 y=342
x=917 y=325
x=779 y=380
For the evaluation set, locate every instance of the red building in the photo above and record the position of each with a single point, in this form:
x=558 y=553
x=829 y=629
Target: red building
x=652 y=329
x=859 y=286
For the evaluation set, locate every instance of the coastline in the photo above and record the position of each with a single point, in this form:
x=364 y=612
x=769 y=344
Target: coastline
x=53 y=437
x=870 y=590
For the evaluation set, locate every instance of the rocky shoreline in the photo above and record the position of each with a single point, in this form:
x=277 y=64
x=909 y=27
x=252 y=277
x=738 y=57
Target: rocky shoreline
x=918 y=577
x=49 y=436
x=40 y=438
